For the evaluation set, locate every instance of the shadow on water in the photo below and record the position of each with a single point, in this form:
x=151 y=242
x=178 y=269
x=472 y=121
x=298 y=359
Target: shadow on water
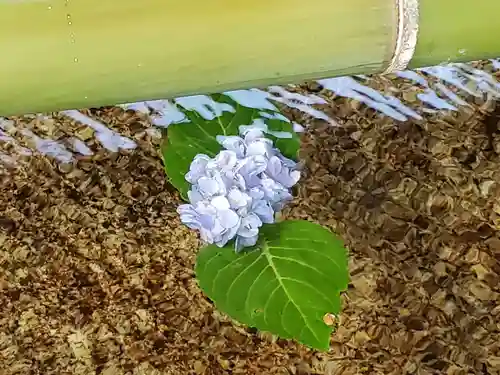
x=433 y=89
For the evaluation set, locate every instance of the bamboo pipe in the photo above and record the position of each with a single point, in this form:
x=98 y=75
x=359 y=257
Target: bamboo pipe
x=60 y=54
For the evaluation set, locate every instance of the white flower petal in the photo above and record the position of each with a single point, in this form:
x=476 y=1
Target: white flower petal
x=209 y=187
x=232 y=143
x=238 y=199
x=229 y=219
x=262 y=147
x=249 y=226
x=251 y=134
x=226 y=159
x=194 y=195
x=278 y=171
x=264 y=211
x=220 y=203
x=197 y=168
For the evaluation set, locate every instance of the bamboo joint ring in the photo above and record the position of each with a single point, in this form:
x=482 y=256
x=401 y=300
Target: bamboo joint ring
x=407 y=33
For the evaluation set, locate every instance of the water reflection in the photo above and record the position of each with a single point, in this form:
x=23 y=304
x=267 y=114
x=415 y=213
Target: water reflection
x=434 y=89
x=108 y=138
x=348 y=87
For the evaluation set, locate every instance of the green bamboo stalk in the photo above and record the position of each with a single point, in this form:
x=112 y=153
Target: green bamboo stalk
x=63 y=54
x=457 y=31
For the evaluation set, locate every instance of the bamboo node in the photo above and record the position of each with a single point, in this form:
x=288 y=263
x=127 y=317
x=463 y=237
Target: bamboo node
x=407 y=35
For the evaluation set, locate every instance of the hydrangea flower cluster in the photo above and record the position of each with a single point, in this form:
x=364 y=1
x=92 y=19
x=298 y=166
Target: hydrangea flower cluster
x=240 y=189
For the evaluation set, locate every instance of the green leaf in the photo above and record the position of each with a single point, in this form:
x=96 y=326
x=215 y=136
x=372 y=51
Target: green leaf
x=286 y=285
x=198 y=136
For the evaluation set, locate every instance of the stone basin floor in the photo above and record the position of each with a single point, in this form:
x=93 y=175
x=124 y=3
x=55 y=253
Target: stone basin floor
x=96 y=271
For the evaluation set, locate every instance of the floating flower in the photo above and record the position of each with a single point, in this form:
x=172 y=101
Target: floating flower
x=240 y=189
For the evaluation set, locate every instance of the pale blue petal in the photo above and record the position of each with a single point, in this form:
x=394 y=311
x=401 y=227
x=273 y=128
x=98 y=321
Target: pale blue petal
x=197 y=168
x=210 y=186
x=217 y=231
x=206 y=236
x=264 y=211
x=289 y=163
x=250 y=168
x=257 y=124
x=249 y=226
x=194 y=195
x=205 y=208
x=252 y=134
x=282 y=174
x=229 y=219
x=232 y=143
x=270 y=187
x=238 y=198
x=262 y=147
x=220 y=203
x=243 y=211
x=242 y=242
x=226 y=160
x=228 y=235
x=256 y=193
x=238 y=181
x=189 y=216
x=185 y=209
x=275 y=192
x=274 y=167
x=207 y=222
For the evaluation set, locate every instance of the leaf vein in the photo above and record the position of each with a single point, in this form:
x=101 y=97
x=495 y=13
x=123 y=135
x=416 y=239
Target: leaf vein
x=249 y=292
x=197 y=120
x=267 y=303
x=221 y=270
x=309 y=286
x=233 y=282
x=310 y=250
x=265 y=250
x=302 y=264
